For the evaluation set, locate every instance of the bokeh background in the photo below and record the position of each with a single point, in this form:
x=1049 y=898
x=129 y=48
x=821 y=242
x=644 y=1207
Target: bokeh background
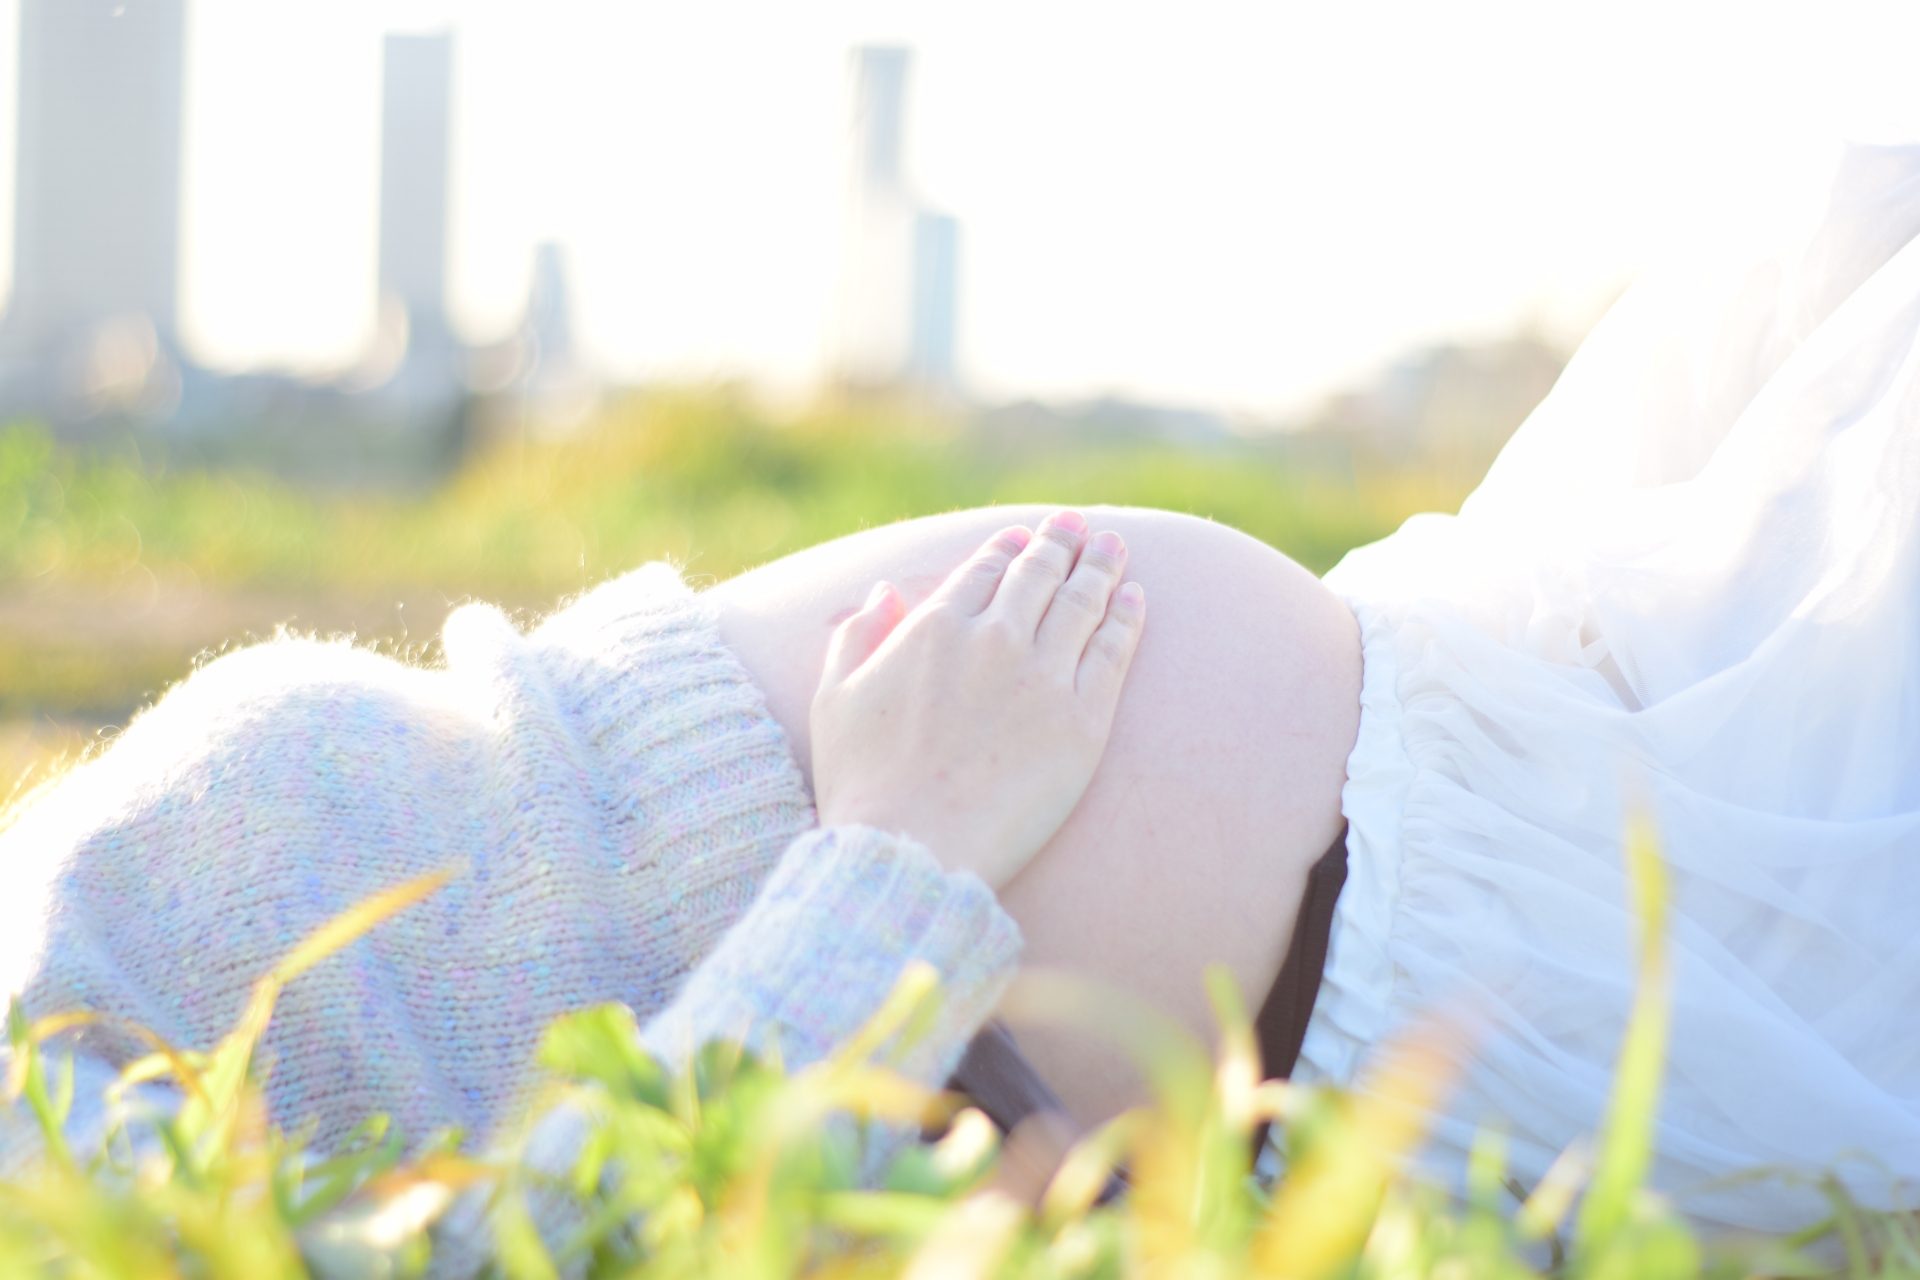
x=330 y=317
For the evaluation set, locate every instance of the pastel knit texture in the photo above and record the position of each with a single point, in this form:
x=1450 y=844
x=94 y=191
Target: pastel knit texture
x=617 y=796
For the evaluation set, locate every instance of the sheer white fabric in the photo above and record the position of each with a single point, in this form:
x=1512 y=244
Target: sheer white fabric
x=1698 y=563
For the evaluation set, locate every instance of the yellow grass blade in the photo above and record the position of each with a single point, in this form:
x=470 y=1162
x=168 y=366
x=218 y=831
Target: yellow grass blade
x=39 y=1032
x=1084 y=1174
x=918 y=983
x=49 y=1027
x=970 y=1142
x=1626 y=1144
x=225 y=1078
x=881 y=1213
x=1273 y=1100
x=155 y=1066
x=972 y=1242
x=1237 y=1076
x=1327 y=1204
x=351 y=924
x=1548 y=1203
x=165 y=1060
x=878 y=1094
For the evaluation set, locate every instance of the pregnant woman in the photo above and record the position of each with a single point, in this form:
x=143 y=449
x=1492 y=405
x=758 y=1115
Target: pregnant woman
x=1693 y=574
x=1697 y=567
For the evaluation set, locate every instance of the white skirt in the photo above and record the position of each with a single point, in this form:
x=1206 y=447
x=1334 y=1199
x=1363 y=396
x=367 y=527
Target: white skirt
x=1697 y=563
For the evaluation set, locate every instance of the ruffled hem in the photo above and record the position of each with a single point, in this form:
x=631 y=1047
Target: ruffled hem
x=1351 y=1010
x=1695 y=564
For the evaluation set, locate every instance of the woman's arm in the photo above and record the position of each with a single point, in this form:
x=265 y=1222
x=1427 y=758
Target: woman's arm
x=949 y=744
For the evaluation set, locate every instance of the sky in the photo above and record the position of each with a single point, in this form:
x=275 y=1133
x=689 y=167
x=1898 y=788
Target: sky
x=1236 y=206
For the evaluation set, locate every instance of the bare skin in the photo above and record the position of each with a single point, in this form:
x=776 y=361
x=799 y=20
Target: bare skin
x=975 y=722
x=1219 y=786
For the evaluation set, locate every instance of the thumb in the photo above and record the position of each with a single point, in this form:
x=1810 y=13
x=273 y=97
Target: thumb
x=855 y=639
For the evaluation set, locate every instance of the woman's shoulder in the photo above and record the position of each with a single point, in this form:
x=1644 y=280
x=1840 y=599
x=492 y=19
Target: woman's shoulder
x=282 y=688
x=256 y=714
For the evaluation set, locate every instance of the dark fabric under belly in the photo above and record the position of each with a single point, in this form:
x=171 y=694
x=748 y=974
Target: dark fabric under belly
x=1002 y=1083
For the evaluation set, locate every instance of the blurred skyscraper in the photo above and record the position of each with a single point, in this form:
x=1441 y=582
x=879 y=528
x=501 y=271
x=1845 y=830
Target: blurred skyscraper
x=897 y=307
x=535 y=383
x=90 y=326
x=554 y=390
x=549 y=323
x=879 y=116
x=89 y=340
x=936 y=260
x=415 y=150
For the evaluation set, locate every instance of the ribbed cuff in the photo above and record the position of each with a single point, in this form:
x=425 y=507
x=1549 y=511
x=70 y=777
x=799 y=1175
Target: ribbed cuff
x=694 y=772
x=844 y=912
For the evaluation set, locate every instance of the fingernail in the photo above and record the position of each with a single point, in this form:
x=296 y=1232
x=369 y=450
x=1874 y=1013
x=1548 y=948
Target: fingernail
x=1132 y=594
x=1071 y=521
x=1107 y=543
x=1018 y=536
x=875 y=596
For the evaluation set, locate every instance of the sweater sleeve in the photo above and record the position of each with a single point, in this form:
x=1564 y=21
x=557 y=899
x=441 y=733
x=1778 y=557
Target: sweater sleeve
x=844 y=912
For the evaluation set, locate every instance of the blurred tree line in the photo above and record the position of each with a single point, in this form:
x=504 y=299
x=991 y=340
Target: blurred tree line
x=119 y=565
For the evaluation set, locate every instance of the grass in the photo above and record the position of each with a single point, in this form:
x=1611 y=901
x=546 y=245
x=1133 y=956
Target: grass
x=730 y=1166
x=706 y=479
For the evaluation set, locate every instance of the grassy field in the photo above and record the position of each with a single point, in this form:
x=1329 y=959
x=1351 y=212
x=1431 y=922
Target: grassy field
x=706 y=479
x=730 y=1168
x=116 y=574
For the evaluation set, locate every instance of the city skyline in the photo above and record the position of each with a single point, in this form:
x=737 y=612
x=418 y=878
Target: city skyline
x=95 y=233
x=90 y=334
x=1233 y=208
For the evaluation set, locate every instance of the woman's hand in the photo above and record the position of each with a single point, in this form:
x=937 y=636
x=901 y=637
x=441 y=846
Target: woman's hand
x=974 y=723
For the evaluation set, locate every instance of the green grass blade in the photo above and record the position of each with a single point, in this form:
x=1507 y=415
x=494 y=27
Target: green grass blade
x=1626 y=1144
x=27 y=1078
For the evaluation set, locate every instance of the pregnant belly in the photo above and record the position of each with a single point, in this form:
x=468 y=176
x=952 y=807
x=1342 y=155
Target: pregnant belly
x=1219 y=788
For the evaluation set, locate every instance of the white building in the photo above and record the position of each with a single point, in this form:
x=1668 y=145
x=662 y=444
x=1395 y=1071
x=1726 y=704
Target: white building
x=897 y=303
x=90 y=324
x=936 y=265
x=416 y=137
x=555 y=393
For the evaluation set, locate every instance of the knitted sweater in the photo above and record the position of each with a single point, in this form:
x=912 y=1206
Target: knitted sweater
x=630 y=827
